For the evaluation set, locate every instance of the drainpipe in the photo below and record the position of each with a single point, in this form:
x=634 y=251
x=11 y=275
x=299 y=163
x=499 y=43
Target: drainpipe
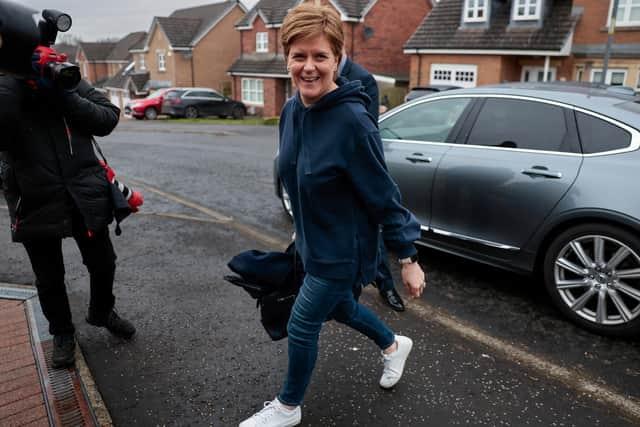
x=607 y=52
x=276 y=42
x=193 y=78
x=546 y=69
x=419 y=69
x=353 y=41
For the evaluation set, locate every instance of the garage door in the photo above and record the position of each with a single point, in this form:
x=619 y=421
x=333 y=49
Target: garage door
x=454 y=74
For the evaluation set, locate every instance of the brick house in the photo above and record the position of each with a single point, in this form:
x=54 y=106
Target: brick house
x=192 y=47
x=477 y=42
x=589 y=42
x=99 y=61
x=375 y=31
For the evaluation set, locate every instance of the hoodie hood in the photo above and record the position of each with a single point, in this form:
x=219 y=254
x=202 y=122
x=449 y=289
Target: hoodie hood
x=347 y=91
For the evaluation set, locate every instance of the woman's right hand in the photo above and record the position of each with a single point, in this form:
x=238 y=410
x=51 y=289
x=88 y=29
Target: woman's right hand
x=414 y=279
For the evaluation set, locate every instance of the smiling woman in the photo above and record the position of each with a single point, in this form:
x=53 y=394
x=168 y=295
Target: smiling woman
x=332 y=166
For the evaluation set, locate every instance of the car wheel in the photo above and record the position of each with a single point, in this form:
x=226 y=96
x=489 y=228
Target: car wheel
x=150 y=113
x=592 y=273
x=191 y=112
x=286 y=202
x=238 y=113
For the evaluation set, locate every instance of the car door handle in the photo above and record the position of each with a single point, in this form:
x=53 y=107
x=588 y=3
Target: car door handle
x=542 y=171
x=419 y=158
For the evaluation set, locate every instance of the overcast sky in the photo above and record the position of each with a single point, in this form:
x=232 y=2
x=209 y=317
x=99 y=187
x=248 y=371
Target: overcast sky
x=99 y=19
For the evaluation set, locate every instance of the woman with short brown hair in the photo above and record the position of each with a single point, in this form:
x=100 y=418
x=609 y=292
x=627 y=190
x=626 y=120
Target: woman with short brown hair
x=332 y=166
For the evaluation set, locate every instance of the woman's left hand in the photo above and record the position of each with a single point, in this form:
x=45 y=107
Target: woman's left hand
x=414 y=279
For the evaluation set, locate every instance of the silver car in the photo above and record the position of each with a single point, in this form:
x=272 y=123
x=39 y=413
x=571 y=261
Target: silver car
x=531 y=178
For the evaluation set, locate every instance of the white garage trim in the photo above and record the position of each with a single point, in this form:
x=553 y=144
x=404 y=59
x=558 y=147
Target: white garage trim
x=463 y=75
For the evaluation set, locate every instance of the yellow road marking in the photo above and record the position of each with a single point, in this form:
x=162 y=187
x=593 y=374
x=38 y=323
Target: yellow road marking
x=217 y=215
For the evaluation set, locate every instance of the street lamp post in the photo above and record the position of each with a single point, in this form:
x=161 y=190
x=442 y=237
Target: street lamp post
x=607 y=52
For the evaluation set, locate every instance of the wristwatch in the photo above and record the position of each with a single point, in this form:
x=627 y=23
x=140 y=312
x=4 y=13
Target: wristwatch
x=408 y=260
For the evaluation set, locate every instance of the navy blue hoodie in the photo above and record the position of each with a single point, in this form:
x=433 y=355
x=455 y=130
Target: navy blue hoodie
x=332 y=165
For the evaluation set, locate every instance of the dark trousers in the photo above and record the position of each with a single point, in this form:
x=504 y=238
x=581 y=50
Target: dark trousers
x=48 y=265
x=384 y=279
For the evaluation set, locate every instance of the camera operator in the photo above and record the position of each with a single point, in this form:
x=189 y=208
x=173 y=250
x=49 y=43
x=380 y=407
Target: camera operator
x=55 y=188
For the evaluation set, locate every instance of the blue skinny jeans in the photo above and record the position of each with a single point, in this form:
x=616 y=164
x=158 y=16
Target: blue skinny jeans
x=318 y=300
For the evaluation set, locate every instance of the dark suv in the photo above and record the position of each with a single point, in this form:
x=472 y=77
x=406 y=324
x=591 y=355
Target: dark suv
x=200 y=102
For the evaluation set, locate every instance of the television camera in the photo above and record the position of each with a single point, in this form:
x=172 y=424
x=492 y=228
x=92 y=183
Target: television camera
x=25 y=45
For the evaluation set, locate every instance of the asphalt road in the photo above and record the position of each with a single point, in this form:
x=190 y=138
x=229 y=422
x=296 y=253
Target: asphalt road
x=489 y=348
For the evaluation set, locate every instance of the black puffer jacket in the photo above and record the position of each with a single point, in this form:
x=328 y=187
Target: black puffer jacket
x=47 y=137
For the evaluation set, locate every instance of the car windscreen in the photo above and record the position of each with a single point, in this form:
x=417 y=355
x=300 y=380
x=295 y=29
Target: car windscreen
x=156 y=94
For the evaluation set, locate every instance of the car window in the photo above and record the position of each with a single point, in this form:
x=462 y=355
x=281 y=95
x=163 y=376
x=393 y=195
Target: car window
x=174 y=94
x=597 y=135
x=428 y=121
x=198 y=94
x=514 y=123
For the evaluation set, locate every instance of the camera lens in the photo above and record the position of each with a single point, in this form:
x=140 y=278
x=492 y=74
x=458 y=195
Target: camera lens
x=65 y=75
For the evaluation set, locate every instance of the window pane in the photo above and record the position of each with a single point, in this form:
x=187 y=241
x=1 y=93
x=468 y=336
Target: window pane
x=635 y=14
x=617 y=79
x=597 y=76
x=597 y=135
x=521 y=11
x=621 y=11
x=429 y=121
x=512 y=123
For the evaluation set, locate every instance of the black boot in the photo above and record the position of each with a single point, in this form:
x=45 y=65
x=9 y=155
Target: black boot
x=393 y=300
x=115 y=324
x=64 y=349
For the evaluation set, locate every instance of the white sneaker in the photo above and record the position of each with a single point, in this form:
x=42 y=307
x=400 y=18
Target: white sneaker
x=274 y=414
x=394 y=362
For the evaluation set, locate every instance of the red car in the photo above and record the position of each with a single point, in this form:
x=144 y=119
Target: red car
x=146 y=108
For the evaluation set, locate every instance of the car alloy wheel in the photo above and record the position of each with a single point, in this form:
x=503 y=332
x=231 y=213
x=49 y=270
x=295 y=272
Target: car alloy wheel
x=592 y=273
x=286 y=202
x=191 y=113
x=150 y=113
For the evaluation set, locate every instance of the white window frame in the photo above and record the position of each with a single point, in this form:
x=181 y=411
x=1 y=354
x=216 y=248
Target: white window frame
x=143 y=66
x=162 y=61
x=475 y=10
x=262 y=41
x=536 y=69
x=610 y=71
x=456 y=73
x=252 y=91
x=625 y=21
x=527 y=5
